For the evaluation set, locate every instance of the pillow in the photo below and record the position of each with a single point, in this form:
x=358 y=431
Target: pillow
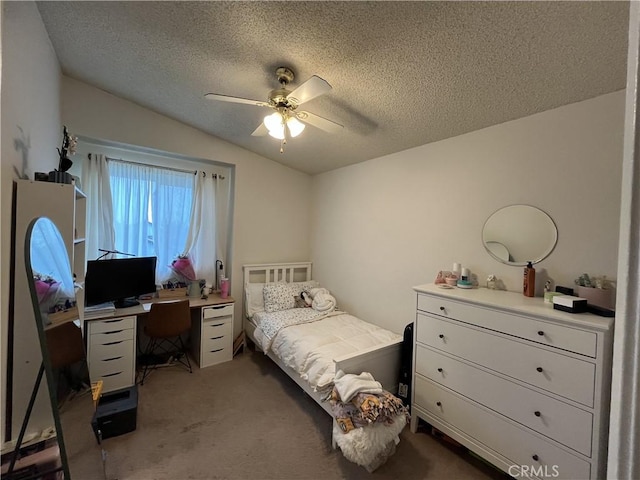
x=279 y=296
x=255 y=298
x=301 y=286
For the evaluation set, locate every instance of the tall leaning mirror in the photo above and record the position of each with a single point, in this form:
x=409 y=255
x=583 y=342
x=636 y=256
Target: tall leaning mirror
x=518 y=234
x=52 y=293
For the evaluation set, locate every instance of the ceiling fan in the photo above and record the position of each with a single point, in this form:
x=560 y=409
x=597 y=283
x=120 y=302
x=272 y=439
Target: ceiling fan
x=287 y=121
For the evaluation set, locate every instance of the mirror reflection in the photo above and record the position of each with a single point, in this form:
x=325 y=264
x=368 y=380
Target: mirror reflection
x=517 y=234
x=57 y=319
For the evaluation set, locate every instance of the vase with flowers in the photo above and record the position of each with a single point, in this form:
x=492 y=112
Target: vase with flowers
x=67 y=149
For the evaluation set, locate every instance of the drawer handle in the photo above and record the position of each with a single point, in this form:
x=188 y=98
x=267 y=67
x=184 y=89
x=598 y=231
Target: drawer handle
x=440 y=370
x=111 y=333
x=111 y=374
x=113 y=321
x=217 y=338
x=439 y=404
x=218 y=350
x=218 y=307
x=539 y=369
x=535 y=458
x=441 y=336
x=442 y=309
x=537 y=413
x=111 y=359
x=541 y=333
x=217 y=325
x=113 y=343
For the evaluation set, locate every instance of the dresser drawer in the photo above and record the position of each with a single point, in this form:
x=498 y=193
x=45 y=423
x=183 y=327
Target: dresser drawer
x=111 y=338
x=217 y=311
x=564 y=423
x=559 y=336
x=111 y=324
x=566 y=376
x=520 y=446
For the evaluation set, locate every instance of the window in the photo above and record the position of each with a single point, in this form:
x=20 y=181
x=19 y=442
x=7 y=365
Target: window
x=151 y=211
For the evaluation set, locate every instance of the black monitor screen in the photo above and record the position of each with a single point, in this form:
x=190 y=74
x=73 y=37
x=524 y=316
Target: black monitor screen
x=119 y=280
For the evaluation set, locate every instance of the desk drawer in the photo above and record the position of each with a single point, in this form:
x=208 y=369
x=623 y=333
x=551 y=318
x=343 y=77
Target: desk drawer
x=216 y=328
x=559 y=336
x=515 y=443
x=560 y=421
x=217 y=311
x=109 y=366
x=566 y=376
x=115 y=380
x=111 y=324
x=217 y=354
x=216 y=342
x=112 y=337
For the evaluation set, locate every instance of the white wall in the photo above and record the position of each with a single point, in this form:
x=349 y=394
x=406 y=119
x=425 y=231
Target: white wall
x=271 y=201
x=30 y=116
x=383 y=226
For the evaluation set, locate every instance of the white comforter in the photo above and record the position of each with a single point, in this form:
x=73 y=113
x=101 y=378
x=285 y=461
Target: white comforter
x=310 y=346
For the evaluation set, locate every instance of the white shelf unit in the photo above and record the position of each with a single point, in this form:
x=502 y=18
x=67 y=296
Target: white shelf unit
x=522 y=385
x=65 y=206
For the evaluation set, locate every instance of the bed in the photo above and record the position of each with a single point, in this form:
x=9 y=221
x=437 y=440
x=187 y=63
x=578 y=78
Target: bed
x=312 y=345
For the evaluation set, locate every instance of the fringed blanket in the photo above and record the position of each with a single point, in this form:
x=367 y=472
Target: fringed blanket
x=366 y=426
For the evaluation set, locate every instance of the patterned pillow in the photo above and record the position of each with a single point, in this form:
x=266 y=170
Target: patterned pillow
x=279 y=296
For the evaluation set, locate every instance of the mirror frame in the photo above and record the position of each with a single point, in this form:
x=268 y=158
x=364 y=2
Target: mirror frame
x=536 y=258
x=46 y=358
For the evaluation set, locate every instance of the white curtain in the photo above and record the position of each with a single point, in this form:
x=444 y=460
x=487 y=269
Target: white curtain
x=171 y=199
x=96 y=186
x=149 y=210
x=201 y=241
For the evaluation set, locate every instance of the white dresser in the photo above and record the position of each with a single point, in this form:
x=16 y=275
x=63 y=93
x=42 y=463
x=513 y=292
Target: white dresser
x=521 y=384
x=111 y=352
x=212 y=334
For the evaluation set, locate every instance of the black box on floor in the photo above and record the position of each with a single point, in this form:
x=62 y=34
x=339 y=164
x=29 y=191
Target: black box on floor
x=116 y=413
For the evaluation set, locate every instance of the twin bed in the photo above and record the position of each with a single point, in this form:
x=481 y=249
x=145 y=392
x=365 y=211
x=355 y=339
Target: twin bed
x=311 y=343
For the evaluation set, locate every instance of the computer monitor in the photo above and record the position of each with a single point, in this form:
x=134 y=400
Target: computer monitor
x=119 y=280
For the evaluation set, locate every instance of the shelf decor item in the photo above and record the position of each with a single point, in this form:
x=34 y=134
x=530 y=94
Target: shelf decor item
x=68 y=148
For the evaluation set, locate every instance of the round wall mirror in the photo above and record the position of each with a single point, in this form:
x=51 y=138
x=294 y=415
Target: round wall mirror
x=518 y=234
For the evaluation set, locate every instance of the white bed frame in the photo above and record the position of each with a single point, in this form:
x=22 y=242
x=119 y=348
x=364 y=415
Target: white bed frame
x=382 y=362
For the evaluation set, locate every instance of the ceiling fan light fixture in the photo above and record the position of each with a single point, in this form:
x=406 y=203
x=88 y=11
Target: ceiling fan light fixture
x=275 y=125
x=295 y=126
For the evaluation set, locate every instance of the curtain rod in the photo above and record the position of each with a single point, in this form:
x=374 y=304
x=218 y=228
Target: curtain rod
x=195 y=172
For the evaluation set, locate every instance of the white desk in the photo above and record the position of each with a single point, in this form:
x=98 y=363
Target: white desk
x=111 y=339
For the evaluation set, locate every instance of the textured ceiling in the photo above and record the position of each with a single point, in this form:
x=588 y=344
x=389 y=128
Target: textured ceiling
x=403 y=73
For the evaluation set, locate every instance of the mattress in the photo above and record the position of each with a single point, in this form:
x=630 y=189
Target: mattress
x=310 y=347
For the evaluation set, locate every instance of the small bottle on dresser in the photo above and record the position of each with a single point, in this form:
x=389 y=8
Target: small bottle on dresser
x=529 y=283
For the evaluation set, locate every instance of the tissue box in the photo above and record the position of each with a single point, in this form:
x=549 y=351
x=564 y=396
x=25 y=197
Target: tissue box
x=570 y=304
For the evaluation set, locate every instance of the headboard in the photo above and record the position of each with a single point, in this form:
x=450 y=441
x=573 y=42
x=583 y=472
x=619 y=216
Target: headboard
x=274 y=272
x=277 y=272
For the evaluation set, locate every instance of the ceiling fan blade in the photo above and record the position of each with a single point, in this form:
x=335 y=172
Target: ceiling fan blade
x=310 y=89
x=227 y=98
x=319 y=122
x=261 y=131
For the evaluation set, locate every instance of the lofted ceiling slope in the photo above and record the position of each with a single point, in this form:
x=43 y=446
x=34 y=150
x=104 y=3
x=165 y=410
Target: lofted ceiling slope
x=403 y=73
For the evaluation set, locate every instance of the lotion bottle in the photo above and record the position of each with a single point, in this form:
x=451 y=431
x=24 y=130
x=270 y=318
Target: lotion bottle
x=529 y=284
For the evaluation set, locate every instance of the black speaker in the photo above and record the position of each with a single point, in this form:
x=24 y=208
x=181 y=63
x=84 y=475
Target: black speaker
x=116 y=413
x=406 y=364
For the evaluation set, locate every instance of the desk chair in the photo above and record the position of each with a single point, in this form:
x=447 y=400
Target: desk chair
x=164 y=325
x=66 y=348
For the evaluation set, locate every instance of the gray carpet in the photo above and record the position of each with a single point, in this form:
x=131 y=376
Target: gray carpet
x=243 y=419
